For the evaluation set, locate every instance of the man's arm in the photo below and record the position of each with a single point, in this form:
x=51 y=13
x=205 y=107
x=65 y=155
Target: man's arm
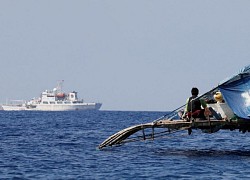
x=204 y=105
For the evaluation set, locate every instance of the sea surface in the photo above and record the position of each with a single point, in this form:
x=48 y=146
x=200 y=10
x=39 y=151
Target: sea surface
x=63 y=145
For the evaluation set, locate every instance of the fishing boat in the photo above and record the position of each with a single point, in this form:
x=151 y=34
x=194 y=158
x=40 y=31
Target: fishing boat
x=230 y=103
x=54 y=100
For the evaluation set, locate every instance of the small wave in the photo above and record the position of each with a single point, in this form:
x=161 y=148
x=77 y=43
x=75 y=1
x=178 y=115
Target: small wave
x=202 y=152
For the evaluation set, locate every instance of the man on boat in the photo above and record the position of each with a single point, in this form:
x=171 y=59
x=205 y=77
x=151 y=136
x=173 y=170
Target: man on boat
x=196 y=107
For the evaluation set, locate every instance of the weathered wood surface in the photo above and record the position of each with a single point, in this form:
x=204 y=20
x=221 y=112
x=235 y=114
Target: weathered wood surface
x=210 y=125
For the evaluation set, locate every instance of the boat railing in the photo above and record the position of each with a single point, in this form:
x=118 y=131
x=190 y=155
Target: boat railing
x=15 y=102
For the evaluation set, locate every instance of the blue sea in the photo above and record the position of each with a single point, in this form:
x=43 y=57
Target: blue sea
x=63 y=145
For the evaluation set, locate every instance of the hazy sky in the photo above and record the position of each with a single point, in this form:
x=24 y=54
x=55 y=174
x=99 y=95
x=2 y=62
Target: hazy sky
x=127 y=54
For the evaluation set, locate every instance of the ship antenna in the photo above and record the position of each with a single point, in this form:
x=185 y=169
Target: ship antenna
x=59 y=85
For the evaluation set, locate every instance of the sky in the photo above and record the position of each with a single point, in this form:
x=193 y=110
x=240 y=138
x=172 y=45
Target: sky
x=130 y=55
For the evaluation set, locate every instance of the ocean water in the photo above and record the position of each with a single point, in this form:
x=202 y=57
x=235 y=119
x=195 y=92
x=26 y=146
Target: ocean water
x=63 y=145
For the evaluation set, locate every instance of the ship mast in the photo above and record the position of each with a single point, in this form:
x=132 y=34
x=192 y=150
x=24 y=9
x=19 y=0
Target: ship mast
x=59 y=86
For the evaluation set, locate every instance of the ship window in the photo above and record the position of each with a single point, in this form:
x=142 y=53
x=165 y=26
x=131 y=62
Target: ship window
x=45 y=102
x=59 y=102
x=52 y=102
x=67 y=102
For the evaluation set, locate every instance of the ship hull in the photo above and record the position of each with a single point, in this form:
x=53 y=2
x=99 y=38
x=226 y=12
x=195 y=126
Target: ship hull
x=67 y=107
x=55 y=107
x=13 y=108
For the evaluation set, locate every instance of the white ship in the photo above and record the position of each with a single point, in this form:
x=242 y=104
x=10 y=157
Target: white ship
x=54 y=100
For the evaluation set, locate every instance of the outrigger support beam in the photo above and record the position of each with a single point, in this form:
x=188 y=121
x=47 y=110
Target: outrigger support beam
x=208 y=126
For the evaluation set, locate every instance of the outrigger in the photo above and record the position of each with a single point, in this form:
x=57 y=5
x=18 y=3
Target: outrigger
x=232 y=112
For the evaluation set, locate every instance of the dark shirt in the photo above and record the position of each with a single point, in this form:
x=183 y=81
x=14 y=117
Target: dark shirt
x=193 y=103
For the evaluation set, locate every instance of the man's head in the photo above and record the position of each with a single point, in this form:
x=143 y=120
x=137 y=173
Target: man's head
x=195 y=91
